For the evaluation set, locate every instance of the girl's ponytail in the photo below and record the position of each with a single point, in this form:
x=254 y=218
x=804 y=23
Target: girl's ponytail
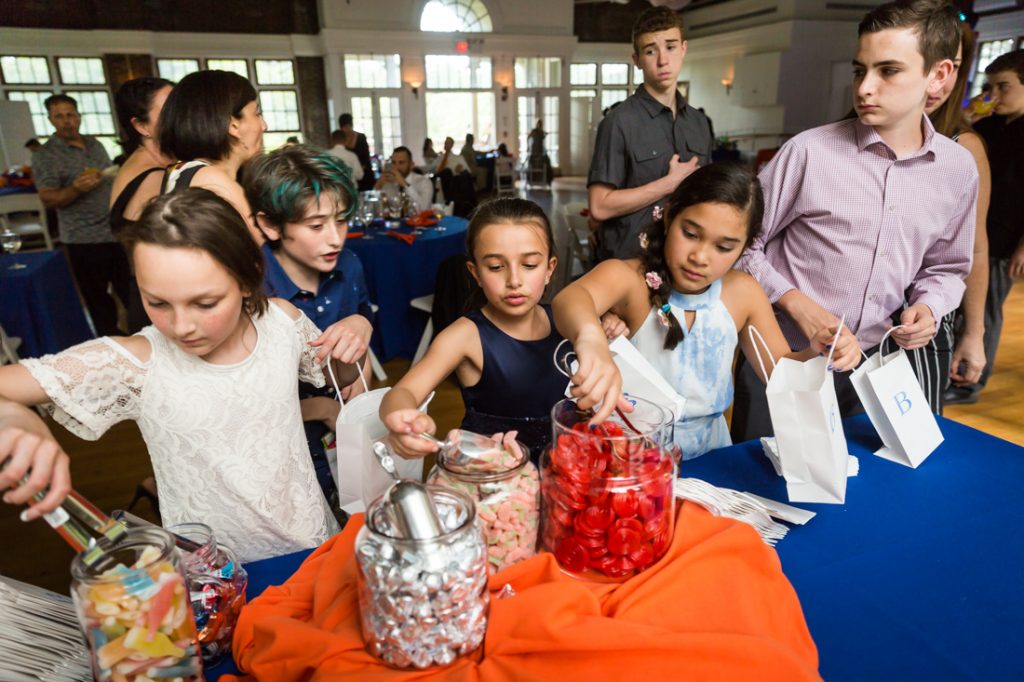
x=659 y=281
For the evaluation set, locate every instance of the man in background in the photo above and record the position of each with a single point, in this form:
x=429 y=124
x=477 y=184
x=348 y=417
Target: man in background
x=67 y=171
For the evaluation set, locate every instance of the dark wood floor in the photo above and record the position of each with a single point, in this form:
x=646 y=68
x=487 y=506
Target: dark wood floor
x=106 y=471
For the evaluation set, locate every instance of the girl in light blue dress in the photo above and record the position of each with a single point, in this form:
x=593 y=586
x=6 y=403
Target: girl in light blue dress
x=687 y=305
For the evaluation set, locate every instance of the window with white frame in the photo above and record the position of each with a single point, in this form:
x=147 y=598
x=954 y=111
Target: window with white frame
x=81 y=70
x=615 y=74
x=373 y=71
x=583 y=74
x=610 y=96
x=538 y=72
x=454 y=114
x=390 y=125
x=456 y=16
x=363 y=121
x=280 y=105
x=25 y=70
x=458 y=72
x=176 y=69
x=987 y=53
x=239 y=66
x=275 y=72
x=31 y=79
x=551 y=127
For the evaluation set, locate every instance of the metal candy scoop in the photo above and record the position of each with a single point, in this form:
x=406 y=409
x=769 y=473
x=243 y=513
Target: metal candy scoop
x=465 y=447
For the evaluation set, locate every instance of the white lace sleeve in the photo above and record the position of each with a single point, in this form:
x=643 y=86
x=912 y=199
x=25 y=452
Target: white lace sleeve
x=93 y=385
x=310 y=371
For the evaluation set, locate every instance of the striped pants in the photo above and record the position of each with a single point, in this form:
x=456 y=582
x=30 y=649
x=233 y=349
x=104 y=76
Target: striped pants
x=931 y=363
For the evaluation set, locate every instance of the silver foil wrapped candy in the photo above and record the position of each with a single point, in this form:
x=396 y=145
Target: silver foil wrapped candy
x=423 y=595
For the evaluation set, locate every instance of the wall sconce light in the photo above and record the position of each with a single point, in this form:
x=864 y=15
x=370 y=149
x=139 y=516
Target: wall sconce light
x=415 y=89
x=727 y=82
x=504 y=93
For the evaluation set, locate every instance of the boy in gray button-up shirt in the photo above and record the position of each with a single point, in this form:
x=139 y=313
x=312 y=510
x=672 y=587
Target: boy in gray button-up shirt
x=641 y=144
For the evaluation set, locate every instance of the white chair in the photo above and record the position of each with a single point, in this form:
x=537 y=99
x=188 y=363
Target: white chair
x=26 y=215
x=504 y=176
x=426 y=304
x=9 y=355
x=378 y=369
x=8 y=348
x=578 y=236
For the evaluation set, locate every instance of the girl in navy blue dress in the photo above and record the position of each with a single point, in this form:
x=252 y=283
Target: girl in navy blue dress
x=501 y=354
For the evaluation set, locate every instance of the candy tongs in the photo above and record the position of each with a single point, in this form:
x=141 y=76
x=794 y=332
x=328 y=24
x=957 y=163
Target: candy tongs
x=75 y=518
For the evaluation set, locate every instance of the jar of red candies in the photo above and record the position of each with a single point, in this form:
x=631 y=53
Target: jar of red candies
x=505 y=486
x=216 y=583
x=607 y=510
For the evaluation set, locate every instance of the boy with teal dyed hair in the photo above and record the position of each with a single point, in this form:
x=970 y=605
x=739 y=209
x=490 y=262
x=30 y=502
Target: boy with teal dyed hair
x=302 y=199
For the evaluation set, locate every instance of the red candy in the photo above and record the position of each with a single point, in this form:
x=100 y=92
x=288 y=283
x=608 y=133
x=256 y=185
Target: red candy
x=607 y=503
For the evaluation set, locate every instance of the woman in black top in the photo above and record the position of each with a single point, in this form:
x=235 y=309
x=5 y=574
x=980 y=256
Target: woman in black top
x=138 y=103
x=356 y=143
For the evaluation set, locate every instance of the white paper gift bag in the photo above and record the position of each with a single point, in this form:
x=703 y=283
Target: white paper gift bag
x=897 y=407
x=359 y=477
x=808 y=428
x=639 y=377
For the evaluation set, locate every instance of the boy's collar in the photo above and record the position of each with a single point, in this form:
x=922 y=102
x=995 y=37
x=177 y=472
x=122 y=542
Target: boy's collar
x=868 y=136
x=281 y=282
x=653 y=106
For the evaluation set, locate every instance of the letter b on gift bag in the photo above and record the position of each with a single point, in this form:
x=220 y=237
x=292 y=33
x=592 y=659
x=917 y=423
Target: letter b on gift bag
x=897 y=407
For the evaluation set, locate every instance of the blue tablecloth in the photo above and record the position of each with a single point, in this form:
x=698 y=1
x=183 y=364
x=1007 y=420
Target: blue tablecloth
x=917 y=577
x=39 y=303
x=920 y=575
x=17 y=189
x=396 y=273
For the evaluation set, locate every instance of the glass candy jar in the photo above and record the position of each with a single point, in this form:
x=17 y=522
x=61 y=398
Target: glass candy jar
x=133 y=606
x=423 y=602
x=608 y=510
x=505 y=487
x=216 y=583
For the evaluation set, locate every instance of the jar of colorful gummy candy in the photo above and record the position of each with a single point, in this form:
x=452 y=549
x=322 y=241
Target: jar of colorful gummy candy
x=505 y=486
x=607 y=490
x=133 y=605
x=216 y=583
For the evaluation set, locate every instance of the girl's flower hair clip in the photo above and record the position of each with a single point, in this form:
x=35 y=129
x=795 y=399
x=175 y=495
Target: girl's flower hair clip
x=656 y=212
x=644 y=241
x=663 y=313
x=653 y=280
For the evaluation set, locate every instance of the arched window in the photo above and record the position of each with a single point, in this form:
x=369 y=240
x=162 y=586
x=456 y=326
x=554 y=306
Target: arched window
x=456 y=16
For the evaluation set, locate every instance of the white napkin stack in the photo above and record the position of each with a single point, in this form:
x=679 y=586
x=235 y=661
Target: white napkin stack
x=39 y=636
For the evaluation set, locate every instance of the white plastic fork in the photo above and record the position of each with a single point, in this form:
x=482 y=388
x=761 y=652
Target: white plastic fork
x=731 y=504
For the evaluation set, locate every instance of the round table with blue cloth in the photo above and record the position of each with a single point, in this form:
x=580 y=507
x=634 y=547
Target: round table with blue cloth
x=39 y=303
x=397 y=272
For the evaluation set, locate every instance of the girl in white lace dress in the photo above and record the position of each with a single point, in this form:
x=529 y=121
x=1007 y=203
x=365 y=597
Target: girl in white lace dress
x=212 y=383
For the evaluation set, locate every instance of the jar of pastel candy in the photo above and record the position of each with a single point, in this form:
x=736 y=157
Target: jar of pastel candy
x=423 y=596
x=607 y=490
x=505 y=486
x=133 y=605
x=216 y=583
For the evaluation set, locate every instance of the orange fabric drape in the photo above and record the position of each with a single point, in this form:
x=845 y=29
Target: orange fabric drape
x=717 y=607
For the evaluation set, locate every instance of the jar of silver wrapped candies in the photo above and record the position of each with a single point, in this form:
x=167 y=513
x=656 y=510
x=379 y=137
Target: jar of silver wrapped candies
x=608 y=505
x=133 y=604
x=505 y=487
x=216 y=584
x=423 y=595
